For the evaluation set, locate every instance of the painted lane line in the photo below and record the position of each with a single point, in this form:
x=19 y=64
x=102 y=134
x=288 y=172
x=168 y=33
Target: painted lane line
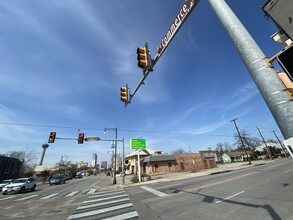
x=91 y=191
x=98 y=200
x=123 y=216
x=100 y=211
x=156 y=192
x=50 y=196
x=102 y=203
x=71 y=194
x=25 y=198
x=106 y=194
x=230 y=197
x=287 y=171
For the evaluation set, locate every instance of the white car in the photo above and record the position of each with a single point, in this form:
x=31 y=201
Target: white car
x=20 y=185
x=5 y=182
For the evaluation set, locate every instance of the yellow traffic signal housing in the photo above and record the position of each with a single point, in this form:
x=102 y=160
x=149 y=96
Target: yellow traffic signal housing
x=142 y=57
x=124 y=94
x=287 y=82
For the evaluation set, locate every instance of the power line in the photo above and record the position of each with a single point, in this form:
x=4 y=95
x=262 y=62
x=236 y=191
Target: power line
x=121 y=130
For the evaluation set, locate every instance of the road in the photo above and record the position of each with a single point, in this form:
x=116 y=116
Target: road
x=51 y=202
x=261 y=192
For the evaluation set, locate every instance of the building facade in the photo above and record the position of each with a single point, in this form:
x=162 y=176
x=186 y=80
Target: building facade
x=94 y=160
x=9 y=167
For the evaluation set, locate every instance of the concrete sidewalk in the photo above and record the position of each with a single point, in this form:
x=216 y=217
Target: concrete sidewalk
x=155 y=178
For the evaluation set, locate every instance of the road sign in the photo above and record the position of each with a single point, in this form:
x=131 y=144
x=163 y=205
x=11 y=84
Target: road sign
x=92 y=139
x=137 y=144
x=180 y=18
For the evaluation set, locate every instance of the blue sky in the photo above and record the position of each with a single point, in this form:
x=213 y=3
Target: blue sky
x=63 y=62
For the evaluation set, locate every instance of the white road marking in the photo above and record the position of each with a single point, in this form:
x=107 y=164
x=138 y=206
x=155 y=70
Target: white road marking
x=97 y=200
x=156 y=192
x=106 y=194
x=100 y=211
x=230 y=197
x=91 y=191
x=25 y=198
x=287 y=171
x=50 y=196
x=71 y=194
x=123 y=216
x=8 y=197
x=102 y=203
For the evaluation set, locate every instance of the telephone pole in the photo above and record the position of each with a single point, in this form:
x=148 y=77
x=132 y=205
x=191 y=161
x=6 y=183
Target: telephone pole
x=242 y=144
x=268 y=150
x=282 y=146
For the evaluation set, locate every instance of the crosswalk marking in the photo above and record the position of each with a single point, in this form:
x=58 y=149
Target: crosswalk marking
x=25 y=198
x=97 y=200
x=8 y=197
x=100 y=211
x=123 y=216
x=107 y=194
x=72 y=194
x=101 y=204
x=50 y=196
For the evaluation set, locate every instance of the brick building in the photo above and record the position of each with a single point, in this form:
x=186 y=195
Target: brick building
x=165 y=163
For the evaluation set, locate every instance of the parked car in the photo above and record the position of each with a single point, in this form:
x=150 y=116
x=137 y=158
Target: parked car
x=20 y=185
x=57 y=180
x=4 y=183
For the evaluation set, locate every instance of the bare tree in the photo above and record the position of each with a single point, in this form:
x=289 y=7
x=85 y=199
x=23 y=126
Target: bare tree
x=178 y=151
x=249 y=142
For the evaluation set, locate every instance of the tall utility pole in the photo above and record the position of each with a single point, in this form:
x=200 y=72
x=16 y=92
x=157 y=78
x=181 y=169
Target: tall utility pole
x=282 y=146
x=242 y=144
x=116 y=131
x=265 y=78
x=268 y=150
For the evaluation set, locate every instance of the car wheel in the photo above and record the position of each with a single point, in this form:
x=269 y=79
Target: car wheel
x=33 y=189
x=22 y=190
x=4 y=193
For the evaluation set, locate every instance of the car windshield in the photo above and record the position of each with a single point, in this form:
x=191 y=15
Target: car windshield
x=5 y=181
x=19 y=181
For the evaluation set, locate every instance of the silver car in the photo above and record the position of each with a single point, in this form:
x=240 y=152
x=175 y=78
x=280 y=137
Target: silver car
x=20 y=185
x=4 y=183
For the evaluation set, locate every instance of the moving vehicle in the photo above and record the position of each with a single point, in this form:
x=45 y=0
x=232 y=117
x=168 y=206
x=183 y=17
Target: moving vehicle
x=4 y=183
x=57 y=180
x=20 y=185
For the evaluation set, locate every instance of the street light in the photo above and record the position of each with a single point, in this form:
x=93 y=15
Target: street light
x=116 y=131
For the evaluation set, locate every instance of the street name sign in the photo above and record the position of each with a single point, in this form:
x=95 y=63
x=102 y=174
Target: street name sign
x=137 y=144
x=180 y=18
x=92 y=139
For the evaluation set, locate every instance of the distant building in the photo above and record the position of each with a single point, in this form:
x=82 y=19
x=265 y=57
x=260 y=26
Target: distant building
x=94 y=160
x=81 y=164
x=104 y=164
x=9 y=167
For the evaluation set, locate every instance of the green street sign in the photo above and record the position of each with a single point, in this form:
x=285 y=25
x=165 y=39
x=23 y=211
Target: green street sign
x=137 y=144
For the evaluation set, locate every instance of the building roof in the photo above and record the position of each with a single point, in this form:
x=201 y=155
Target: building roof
x=161 y=157
x=237 y=153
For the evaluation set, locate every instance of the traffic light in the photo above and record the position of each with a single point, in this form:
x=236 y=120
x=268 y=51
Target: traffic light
x=144 y=58
x=52 y=137
x=80 y=138
x=285 y=59
x=124 y=94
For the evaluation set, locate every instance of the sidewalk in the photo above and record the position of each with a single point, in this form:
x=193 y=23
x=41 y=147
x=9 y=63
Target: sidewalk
x=155 y=178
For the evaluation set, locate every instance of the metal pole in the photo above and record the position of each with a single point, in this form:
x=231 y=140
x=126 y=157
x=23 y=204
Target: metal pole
x=234 y=121
x=265 y=78
x=114 y=180
x=280 y=144
x=123 y=172
x=269 y=152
